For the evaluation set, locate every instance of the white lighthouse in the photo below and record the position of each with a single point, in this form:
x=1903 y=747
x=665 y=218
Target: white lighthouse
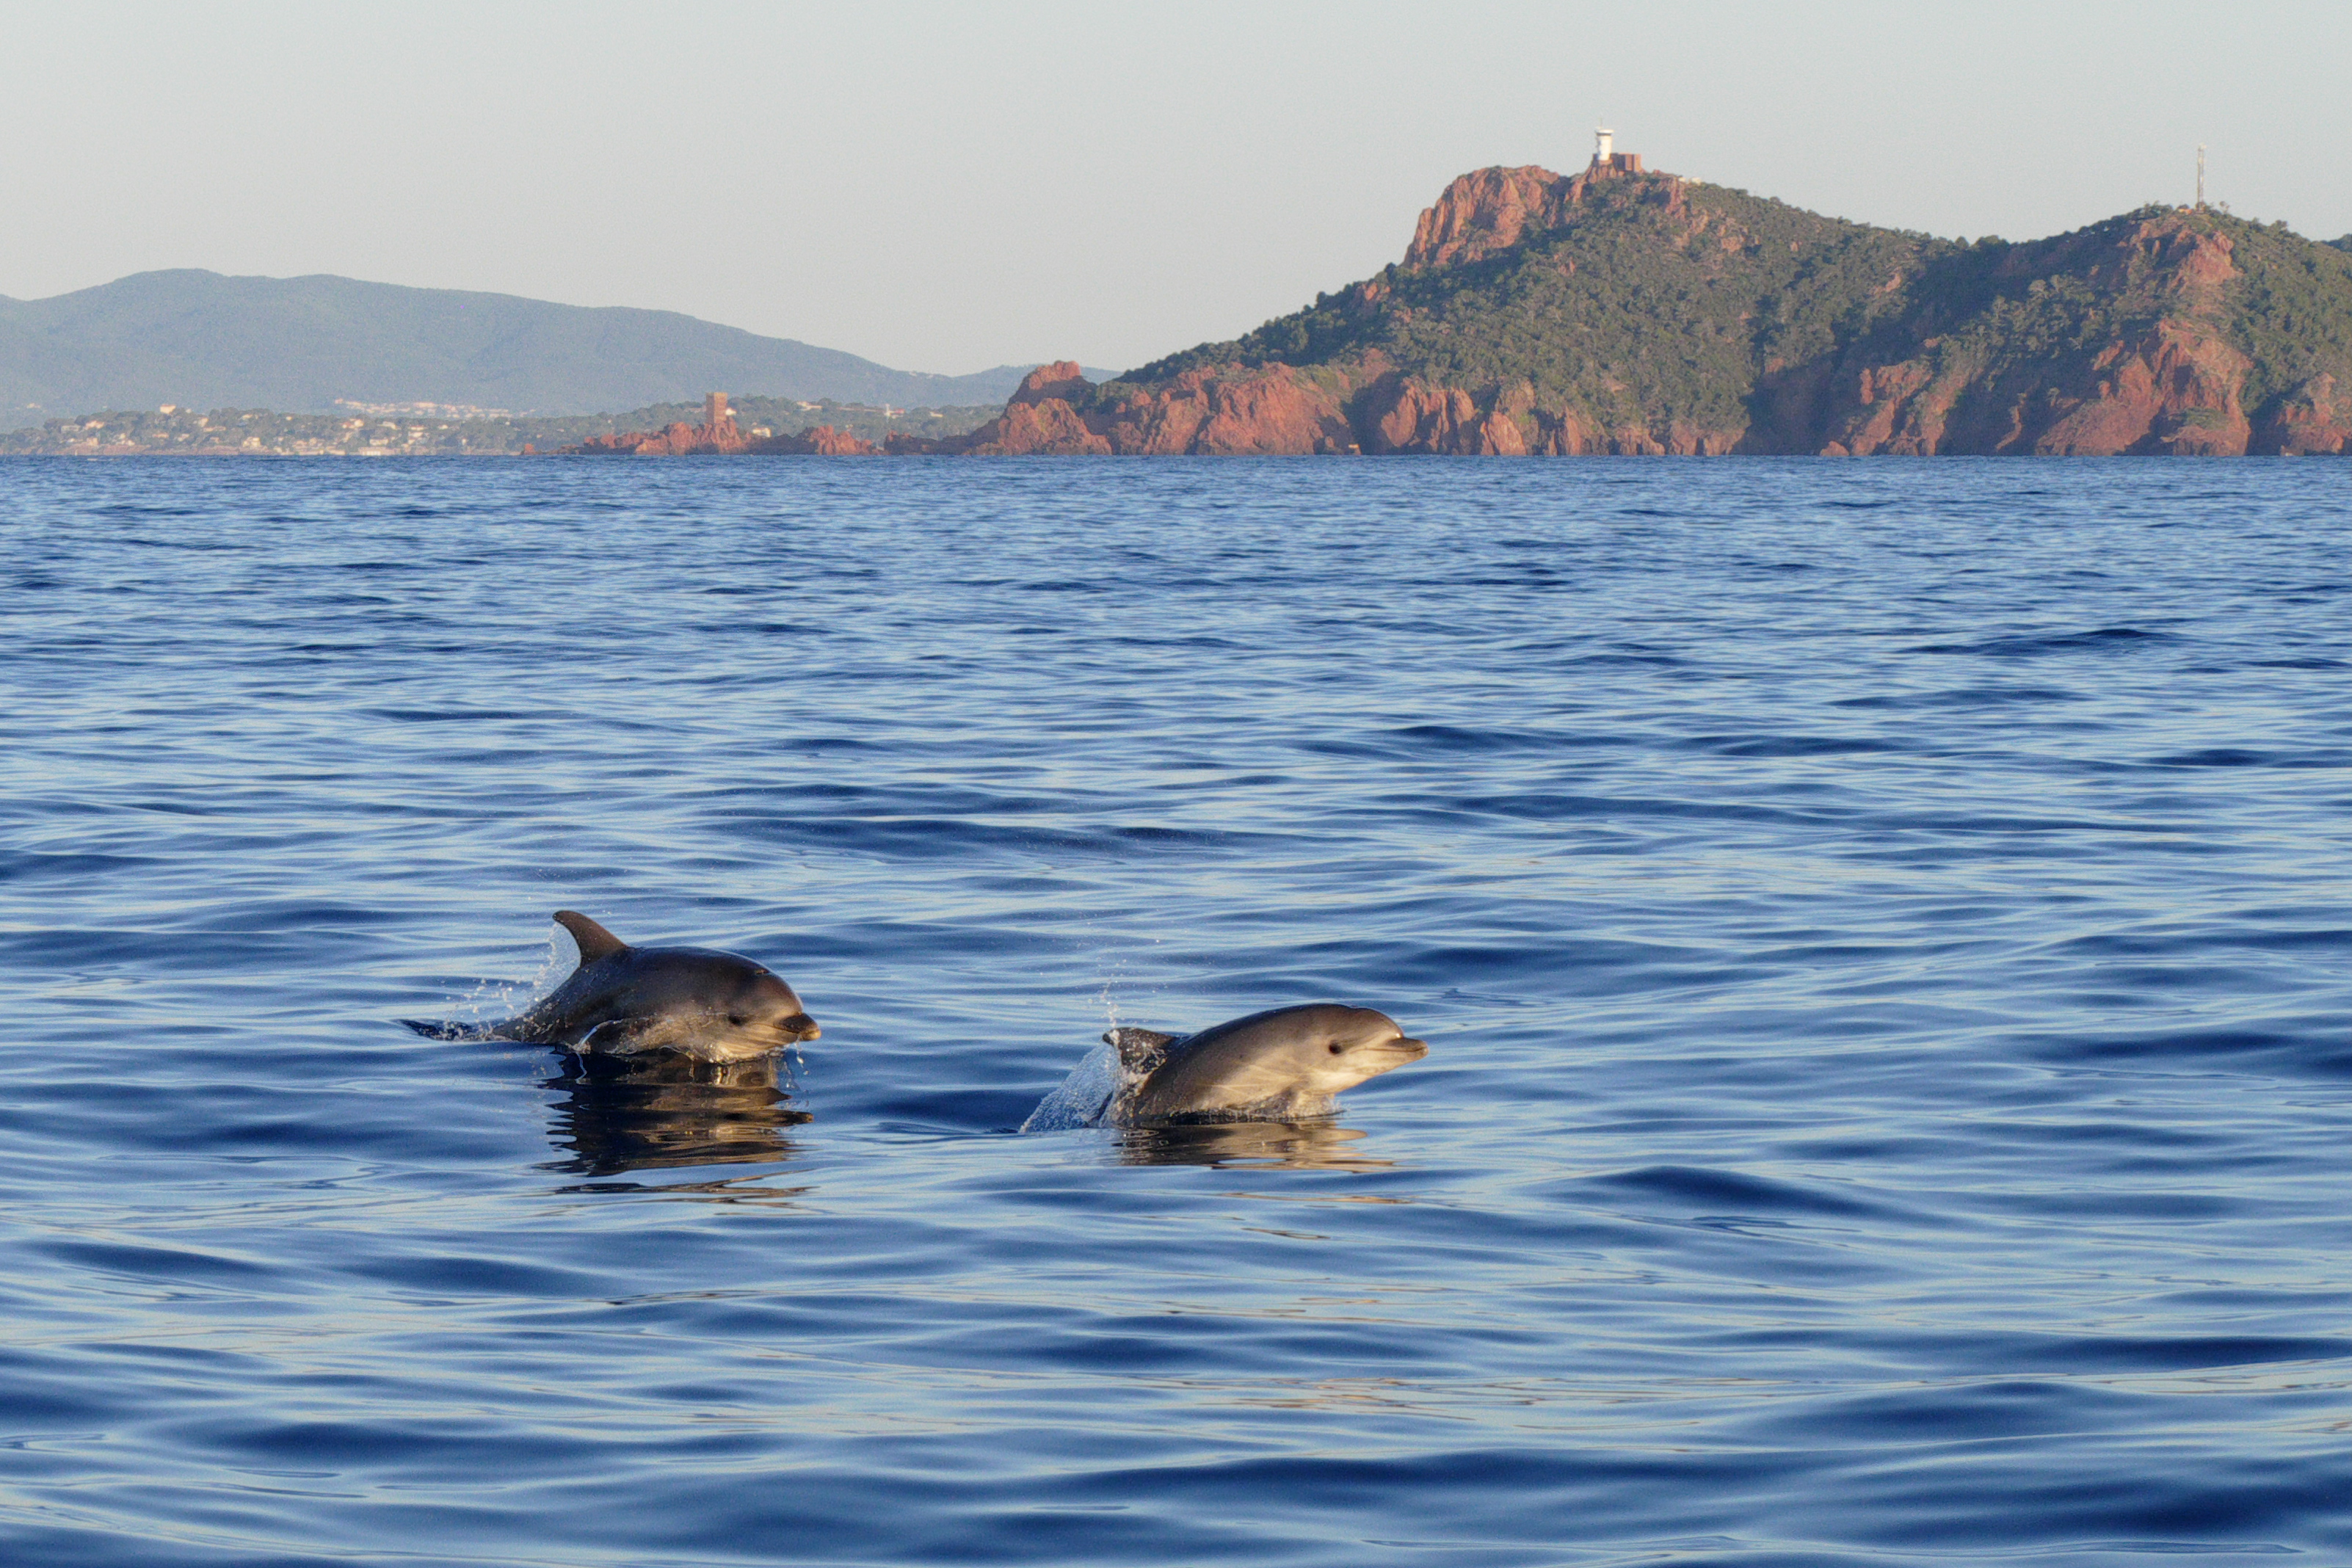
x=1604 y=140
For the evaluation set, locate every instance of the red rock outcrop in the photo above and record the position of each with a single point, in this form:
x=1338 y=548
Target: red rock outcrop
x=1039 y=420
x=2177 y=394
x=2176 y=386
x=2316 y=417
x=819 y=441
x=824 y=441
x=1063 y=380
x=1233 y=410
x=719 y=435
x=1888 y=414
x=1236 y=410
x=676 y=440
x=1408 y=415
x=1484 y=212
x=1490 y=210
x=1279 y=410
x=1047 y=428
x=717 y=432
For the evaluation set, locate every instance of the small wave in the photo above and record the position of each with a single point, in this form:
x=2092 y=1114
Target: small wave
x=2106 y=639
x=1737 y=1193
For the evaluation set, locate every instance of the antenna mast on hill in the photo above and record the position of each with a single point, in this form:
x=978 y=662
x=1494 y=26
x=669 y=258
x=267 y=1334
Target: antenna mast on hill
x=2201 y=176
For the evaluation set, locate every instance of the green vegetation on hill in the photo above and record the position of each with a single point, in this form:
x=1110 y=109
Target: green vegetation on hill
x=2288 y=308
x=1632 y=313
x=1656 y=302
x=2293 y=313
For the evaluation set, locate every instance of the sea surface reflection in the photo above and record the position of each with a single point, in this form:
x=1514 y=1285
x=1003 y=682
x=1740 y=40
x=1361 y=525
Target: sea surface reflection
x=1881 y=929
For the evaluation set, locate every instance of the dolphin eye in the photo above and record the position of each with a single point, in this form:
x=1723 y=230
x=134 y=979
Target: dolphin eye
x=736 y=1019
x=1337 y=1047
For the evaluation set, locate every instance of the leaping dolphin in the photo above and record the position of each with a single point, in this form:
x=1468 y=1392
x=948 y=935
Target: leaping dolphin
x=1284 y=1065
x=622 y=1000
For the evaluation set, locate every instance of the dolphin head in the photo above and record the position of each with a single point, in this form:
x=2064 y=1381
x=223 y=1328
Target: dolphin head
x=714 y=1005
x=1345 y=1045
x=759 y=1006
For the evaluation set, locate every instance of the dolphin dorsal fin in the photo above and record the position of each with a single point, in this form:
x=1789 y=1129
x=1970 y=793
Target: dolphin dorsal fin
x=595 y=940
x=1139 y=1050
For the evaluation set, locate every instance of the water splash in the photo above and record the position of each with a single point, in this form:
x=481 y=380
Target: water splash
x=491 y=1000
x=563 y=958
x=1083 y=1098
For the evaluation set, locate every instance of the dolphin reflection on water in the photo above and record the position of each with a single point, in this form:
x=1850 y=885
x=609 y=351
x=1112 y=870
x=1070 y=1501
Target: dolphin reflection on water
x=664 y=1111
x=1259 y=1145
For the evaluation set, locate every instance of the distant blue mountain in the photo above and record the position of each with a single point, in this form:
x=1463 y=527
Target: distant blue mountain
x=298 y=344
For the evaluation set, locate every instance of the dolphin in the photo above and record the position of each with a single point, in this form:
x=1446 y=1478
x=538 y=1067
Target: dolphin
x=1284 y=1065
x=623 y=1000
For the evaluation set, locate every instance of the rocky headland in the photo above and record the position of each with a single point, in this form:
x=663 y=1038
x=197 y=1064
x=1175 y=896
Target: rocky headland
x=1631 y=312
x=721 y=433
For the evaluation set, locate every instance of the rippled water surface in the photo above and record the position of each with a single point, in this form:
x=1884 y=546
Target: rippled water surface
x=1882 y=930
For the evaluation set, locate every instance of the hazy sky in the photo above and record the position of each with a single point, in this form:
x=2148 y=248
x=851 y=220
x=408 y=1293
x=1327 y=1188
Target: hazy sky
x=948 y=187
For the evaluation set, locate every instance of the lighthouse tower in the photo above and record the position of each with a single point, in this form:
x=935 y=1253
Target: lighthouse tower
x=1607 y=159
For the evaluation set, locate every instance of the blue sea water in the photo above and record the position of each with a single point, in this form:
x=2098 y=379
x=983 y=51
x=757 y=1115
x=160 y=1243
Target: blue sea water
x=1881 y=927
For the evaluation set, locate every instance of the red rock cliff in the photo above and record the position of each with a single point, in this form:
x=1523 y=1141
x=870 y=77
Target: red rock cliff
x=2316 y=417
x=1270 y=411
x=717 y=432
x=2173 y=385
x=1491 y=210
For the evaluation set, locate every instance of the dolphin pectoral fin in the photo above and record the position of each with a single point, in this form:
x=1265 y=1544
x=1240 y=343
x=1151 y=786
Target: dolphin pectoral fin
x=595 y=940
x=1139 y=1050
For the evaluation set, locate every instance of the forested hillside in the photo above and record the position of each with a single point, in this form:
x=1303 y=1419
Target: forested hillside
x=1629 y=311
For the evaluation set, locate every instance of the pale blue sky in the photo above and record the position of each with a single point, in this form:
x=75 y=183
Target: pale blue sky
x=946 y=187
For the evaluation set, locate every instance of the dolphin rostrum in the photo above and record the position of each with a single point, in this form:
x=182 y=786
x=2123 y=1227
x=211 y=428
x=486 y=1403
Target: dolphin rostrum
x=1284 y=1064
x=623 y=1000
